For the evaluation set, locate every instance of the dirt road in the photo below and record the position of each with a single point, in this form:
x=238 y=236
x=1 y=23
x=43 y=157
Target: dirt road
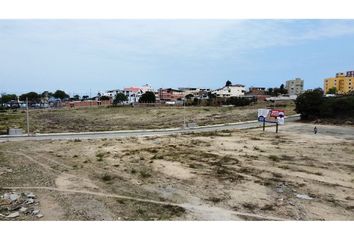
x=225 y=175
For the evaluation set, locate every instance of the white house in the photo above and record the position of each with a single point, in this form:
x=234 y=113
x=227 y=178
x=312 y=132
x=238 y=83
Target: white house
x=235 y=90
x=134 y=93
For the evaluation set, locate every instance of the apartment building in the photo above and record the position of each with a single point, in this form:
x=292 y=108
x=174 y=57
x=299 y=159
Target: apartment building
x=343 y=82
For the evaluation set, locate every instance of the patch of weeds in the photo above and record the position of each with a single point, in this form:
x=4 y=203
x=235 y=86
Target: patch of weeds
x=140 y=211
x=133 y=171
x=287 y=157
x=75 y=156
x=250 y=206
x=277 y=175
x=142 y=158
x=77 y=140
x=255 y=138
x=274 y=158
x=99 y=156
x=145 y=174
x=106 y=177
x=284 y=167
x=215 y=199
x=192 y=165
x=256 y=148
x=268 y=207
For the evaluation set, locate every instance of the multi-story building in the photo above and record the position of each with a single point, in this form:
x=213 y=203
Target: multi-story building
x=343 y=82
x=169 y=94
x=235 y=90
x=295 y=87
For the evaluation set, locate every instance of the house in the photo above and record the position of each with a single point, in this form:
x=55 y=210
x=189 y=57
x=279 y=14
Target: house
x=257 y=92
x=170 y=95
x=200 y=93
x=133 y=94
x=235 y=90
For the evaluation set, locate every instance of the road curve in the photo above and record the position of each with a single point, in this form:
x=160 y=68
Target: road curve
x=137 y=133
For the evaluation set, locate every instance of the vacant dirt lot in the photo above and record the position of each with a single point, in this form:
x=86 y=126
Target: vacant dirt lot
x=123 y=118
x=226 y=175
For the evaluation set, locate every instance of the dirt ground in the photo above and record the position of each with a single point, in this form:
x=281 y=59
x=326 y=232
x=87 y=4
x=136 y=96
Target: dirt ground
x=126 y=118
x=229 y=175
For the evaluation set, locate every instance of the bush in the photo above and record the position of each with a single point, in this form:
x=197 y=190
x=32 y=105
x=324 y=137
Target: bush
x=312 y=105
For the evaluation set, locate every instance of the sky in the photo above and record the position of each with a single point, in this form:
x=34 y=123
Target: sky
x=87 y=56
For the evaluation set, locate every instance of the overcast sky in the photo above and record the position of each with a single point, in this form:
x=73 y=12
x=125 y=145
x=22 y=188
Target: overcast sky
x=82 y=55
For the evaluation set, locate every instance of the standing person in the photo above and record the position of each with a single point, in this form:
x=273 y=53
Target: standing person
x=315 y=130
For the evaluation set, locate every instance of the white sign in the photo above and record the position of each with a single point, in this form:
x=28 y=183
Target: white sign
x=263 y=112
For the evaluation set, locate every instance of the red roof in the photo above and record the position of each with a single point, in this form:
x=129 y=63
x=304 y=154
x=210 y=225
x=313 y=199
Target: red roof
x=132 y=89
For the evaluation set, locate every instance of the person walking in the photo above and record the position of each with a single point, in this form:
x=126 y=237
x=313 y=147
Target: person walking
x=315 y=130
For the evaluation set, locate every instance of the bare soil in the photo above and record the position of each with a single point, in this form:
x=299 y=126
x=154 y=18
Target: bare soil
x=228 y=175
x=126 y=118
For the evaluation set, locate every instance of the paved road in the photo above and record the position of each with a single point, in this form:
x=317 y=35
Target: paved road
x=132 y=133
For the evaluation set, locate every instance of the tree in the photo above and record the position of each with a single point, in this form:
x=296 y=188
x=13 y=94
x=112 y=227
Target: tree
x=270 y=91
x=282 y=90
x=85 y=97
x=120 y=97
x=76 y=97
x=5 y=98
x=332 y=90
x=308 y=104
x=104 y=98
x=147 y=97
x=228 y=83
x=32 y=97
x=60 y=94
x=46 y=94
x=189 y=96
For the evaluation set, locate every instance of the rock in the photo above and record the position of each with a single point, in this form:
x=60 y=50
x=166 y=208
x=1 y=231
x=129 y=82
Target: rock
x=279 y=190
x=35 y=212
x=4 y=202
x=348 y=122
x=292 y=204
x=39 y=215
x=30 y=195
x=11 y=196
x=23 y=209
x=303 y=196
x=29 y=201
x=13 y=215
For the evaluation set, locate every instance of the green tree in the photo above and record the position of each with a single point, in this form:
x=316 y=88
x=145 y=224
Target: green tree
x=120 y=97
x=76 y=97
x=46 y=94
x=282 y=90
x=147 y=97
x=270 y=91
x=189 y=96
x=104 y=98
x=60 y=94
x=308 y=104
x=332 y=90
x=228 y=83
x=32 y=97
x=5 y=98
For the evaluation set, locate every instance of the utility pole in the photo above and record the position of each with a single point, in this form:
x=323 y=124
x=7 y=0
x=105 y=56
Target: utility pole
x=184 y=113
x=27 y=117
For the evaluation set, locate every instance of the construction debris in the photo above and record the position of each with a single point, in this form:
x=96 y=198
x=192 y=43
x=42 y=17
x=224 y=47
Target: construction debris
x=19 y=205
x=303 y=196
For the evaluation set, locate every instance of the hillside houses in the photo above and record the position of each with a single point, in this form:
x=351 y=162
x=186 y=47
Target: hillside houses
x=236 y=90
